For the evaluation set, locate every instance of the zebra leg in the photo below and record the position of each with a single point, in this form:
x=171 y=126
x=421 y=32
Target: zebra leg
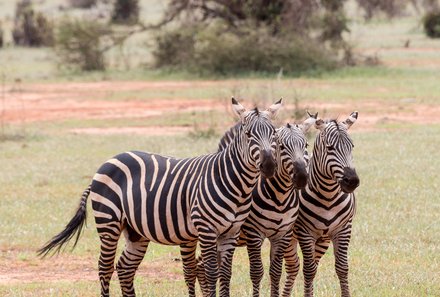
x=226 y=248
x=201 y=277
x=131 y=257
x=340 y=244
x=255 y=263
x=277 y=248
x=292 y=266
x=208 y=247
x=189 y=263
x=109 y=234
x=310 y=267
x=321 y=247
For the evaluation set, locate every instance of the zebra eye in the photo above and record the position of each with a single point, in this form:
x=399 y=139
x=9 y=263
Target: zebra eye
x=330 y=147
x=248 y=133
x=282 y=146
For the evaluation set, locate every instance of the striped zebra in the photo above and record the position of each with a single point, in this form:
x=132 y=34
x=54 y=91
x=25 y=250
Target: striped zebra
x=327 y=206
x=149 y=197
x=275 y=203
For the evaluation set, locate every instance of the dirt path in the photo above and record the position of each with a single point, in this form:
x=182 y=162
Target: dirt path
x=59 y=101
x=67 y=267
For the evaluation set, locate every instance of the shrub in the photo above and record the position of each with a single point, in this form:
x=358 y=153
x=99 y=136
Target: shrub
x=79 y=44
x=126 y=12
x=431 y=24
x=211 y=51
x=31 y=28
x=82 y=3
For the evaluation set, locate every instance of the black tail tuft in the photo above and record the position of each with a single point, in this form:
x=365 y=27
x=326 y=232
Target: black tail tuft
x=74 y=226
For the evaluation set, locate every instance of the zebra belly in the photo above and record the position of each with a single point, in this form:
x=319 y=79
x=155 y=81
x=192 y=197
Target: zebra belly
x=149 y=193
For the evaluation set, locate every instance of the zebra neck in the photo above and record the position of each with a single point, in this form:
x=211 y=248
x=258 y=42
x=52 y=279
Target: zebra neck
x=278 y=188
x=321 y=184
x=237 y=167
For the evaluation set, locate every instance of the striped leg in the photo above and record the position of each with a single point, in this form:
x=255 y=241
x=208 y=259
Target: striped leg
x=321 y=247
x=277 y=248
x=340 y=244
x=109 y=234
x=310 y=267
x=189 y=262
x=292 y=266
x=226 y=248
x=208 y=247
x=129 y=260
x=255 y=263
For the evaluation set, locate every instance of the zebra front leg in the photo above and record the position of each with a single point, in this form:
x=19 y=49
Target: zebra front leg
x=226 y=248
x=292 y=266
x=109 y=234
x=255 y=264
x=189 y=263
x=277 y=248
x=340 y=245
x=131 y=257
x=208 y=247
x=321 y=247
x=309 y=265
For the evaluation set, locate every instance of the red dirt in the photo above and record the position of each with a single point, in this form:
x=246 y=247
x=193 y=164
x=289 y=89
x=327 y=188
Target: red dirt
x=53 y=102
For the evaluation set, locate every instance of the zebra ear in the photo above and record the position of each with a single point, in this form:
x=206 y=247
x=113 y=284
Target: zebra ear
x=274 y=108
x=305 y=126
x=351 y=119
x=320 y=124
x=238 y=108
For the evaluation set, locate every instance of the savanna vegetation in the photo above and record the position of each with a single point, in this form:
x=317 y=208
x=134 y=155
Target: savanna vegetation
x=49 y=151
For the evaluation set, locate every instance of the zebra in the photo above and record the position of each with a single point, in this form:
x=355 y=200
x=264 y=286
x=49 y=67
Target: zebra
x=150 y=197
x=275 y=203
x=327 y=206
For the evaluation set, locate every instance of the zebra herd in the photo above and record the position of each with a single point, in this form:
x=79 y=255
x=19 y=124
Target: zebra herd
x=260 y=184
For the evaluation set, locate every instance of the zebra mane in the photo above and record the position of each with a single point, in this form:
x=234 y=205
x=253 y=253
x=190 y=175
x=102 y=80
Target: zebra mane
x=257 y=112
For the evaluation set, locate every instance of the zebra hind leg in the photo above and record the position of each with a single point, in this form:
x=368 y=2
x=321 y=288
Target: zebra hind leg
x=109 y=234
x=135 y=249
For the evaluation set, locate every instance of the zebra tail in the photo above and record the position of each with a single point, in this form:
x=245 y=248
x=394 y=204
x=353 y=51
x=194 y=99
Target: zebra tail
x=75 y=225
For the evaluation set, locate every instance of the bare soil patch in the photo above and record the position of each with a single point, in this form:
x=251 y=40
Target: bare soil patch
x=60 y=101
x=71 y=268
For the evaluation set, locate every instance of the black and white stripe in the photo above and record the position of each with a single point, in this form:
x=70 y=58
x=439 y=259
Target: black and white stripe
x=327 y=206
x=274 y=203
x=149 y=197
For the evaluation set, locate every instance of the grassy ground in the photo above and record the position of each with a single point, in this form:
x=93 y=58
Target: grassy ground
x=395 y=245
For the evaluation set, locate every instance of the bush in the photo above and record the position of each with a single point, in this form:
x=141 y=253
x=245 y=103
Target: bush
x=431 y=23
x=31 y=28
x=82 y=3
x=211 y=51
x=79 y=44
x=126 y=12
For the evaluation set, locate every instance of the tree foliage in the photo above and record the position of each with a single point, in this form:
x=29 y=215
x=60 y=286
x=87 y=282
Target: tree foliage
x=31 y=28
x=126 y=12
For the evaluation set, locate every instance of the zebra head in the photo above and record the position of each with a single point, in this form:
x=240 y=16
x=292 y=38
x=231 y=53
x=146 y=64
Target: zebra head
x=333 y=152
x=258 y=136
x=292 y=153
